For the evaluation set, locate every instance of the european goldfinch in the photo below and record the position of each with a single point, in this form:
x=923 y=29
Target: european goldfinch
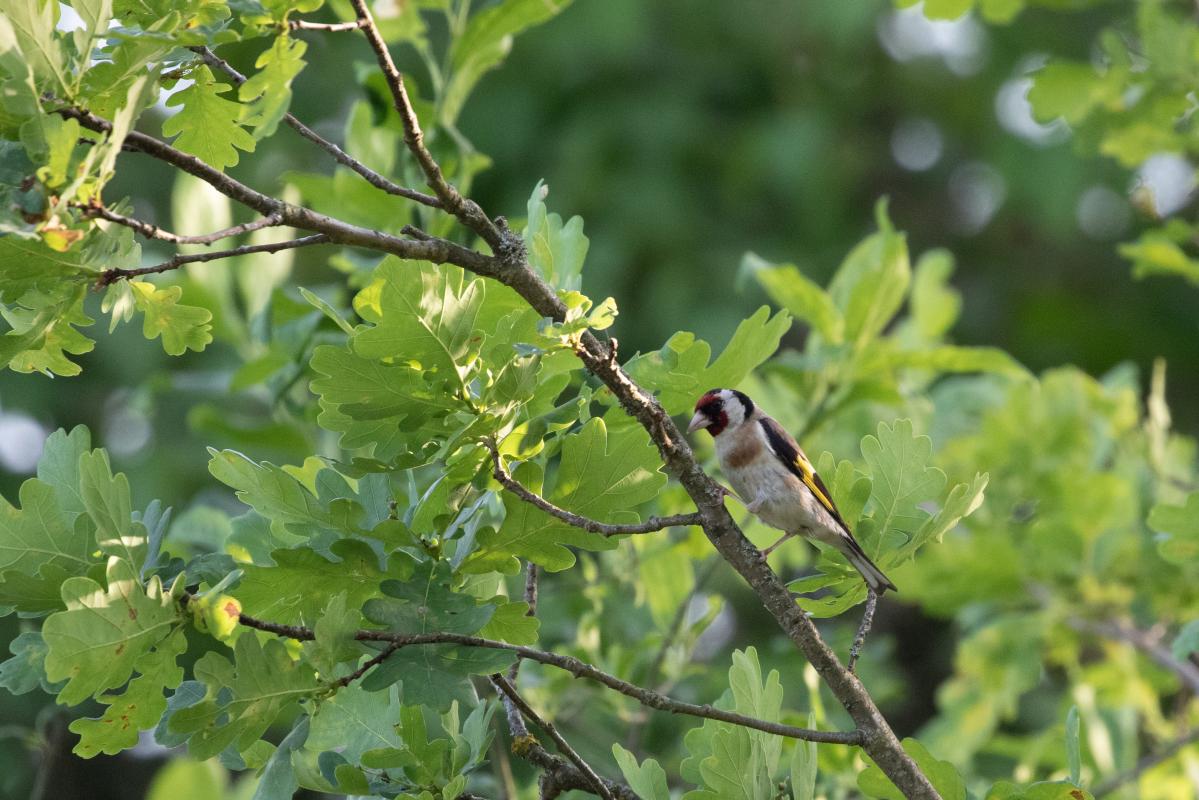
x=774 y=478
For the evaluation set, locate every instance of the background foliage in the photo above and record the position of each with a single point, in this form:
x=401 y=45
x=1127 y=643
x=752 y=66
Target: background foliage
x=935 y=390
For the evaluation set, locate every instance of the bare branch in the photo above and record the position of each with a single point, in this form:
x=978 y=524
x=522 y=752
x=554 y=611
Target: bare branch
x=438 y=251
x=1111 y=784
x=651 y=525
x=113 y=275
x=328 y=27
x=467 y=211
x=1146 y=642
x=867 y=620
x=509 y=691
x=579 y=669
x=531 y=575
x=154 y=232
x=383 y=655
x=340 y=156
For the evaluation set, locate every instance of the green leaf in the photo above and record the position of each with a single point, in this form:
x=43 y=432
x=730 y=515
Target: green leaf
x=942 y=774
x=1045 y=790
x=555 y=250
x=39 y=533
x=935 y=306
x=334 y=630
x=106 y=497
x=946 y=9
x=1071 y=91
x=1187 y=641
x=425 y=315
x=803 y=767
x=208 y=126
x=647 y=780
x=955 y=358
x=356 y=721
x=278 y=780
x=902 y=479
x=243 y=697
x=139 y=707
x=872 y=283
x=268 y=91
x=33 y=23
x=437 y=675
x=1155 y=253
x=512 y=623
x=43 y=331
x=181 y=327
x=26 y=670
x=303 y=582
x=184 y=779
x=485 y=43
x=104 y=634
x=425 y=603
x=1073 y=752
x=679 y=373
x=1179 y=526
x=794 y=291
x=603 y=475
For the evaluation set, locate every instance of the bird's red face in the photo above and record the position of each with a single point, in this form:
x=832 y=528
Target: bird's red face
x=710 y=413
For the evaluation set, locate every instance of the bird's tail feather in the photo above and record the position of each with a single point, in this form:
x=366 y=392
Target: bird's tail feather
x=873 y=576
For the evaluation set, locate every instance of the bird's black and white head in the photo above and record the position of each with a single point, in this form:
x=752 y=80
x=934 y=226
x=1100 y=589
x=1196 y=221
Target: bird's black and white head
x=721 y=410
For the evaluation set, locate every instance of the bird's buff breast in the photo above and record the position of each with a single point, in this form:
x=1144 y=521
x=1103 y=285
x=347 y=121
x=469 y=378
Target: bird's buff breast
x=787 y=504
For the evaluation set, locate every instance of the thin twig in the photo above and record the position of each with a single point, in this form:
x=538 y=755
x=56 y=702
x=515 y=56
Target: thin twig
x=467 y=211
x=576 y=667
x=563 y=746
x=651 y=525
x=328 y=27
x=867 y=620
x=365 y=668
x=531 y=575
x=1144 y=641
x=116 y=274
x=438 y=251
x=1147 y=762
x=154 y=232
x=340 y=156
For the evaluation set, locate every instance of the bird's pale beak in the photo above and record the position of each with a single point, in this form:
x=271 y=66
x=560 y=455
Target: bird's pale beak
x=700 y=420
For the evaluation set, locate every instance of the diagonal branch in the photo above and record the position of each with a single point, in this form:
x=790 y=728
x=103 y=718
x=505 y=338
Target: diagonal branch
x=651 y=525
x=340 y=156
x=467 y=211
x=576 y=667
x=116 y=274
x=1146 y=642
x=867 y=621
x=598 y=784
x=1114 y=782
x=154 y=232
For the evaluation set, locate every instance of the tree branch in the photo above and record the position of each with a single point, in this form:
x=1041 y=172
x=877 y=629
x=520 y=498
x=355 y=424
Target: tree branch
x=383 y=655
x=651 y=525
x=1111 y=784
x=531 y=575
x=340 y=156
x=576 y=667
x=116 y=274
x=437 y=251
x=467 y=211
x=867 y=621
x=154 y=232
x=1144 y=641
x=599 y=785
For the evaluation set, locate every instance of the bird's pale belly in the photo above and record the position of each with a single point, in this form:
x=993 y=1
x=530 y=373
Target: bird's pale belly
x=786 y=503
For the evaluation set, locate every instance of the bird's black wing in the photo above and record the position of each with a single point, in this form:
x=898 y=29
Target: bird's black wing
x=792 y=455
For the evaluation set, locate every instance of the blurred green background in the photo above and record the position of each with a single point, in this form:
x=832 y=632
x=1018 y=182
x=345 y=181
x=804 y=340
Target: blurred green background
x=686 y=133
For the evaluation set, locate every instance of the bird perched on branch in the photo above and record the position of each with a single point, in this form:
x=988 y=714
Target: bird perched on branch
x=775 y=480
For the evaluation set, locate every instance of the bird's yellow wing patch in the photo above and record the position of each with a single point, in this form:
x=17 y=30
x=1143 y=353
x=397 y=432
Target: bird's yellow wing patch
x=808 y=474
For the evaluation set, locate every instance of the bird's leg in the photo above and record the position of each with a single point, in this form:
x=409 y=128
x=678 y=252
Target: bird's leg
x=766 y=553
x=756 y=505
x=867 y=620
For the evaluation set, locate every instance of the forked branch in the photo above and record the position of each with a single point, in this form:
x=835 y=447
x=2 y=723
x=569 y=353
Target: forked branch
x=116 y=274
